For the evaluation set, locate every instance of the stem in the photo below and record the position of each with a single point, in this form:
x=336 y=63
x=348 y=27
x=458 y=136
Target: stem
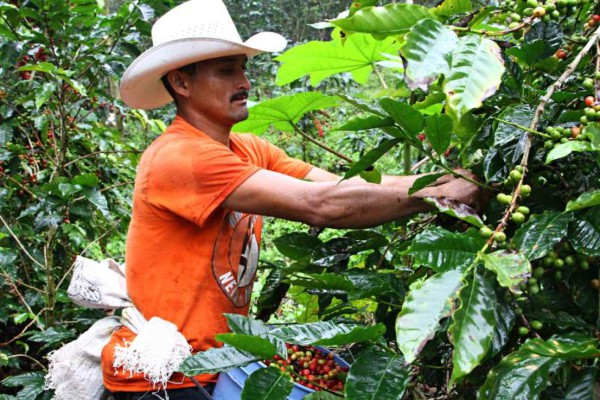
x=406 y=158
x=534 y=124
x=379 y=76
x=524 y=128
x=19 y=243
x=321 y=145
x=29 y=358
x=526 y=22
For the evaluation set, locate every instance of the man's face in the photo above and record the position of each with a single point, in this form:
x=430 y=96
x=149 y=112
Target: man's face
x=219 y=90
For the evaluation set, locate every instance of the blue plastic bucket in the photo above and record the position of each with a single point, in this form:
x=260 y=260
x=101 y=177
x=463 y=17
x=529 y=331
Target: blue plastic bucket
x=230 y=384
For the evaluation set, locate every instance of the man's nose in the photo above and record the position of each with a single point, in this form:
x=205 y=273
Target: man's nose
x=244 y=83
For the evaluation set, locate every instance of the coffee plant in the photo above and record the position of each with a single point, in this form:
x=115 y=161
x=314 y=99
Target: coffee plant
x=454 y=304
x=497 y=304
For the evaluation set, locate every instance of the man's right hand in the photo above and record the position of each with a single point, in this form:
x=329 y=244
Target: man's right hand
x=457 y=189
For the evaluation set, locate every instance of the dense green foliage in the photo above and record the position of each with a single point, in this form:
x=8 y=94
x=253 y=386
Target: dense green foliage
x=450 y=304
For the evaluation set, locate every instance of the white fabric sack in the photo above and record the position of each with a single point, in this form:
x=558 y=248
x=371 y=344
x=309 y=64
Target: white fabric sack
x=74 y=369
x=157 y=351
x=98 y=284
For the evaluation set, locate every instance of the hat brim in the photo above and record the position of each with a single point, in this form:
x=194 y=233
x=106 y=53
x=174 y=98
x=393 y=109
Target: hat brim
x=141 y=86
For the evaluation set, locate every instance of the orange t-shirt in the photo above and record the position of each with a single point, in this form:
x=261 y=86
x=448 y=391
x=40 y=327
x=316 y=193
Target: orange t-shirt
x=188 y=260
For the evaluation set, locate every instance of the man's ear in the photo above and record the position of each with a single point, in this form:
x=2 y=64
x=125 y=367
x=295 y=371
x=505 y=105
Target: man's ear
x=179 y=82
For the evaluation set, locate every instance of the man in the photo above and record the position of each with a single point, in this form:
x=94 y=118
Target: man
x=192 y=246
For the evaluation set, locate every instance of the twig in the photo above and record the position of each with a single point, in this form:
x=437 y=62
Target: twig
x=62 y=279
x=524 y=128
x=321 y=145
x=107 y=188
x=534 y=124
x=19 y=242
x=34 y=320
x=101 y=152
x=29 y=358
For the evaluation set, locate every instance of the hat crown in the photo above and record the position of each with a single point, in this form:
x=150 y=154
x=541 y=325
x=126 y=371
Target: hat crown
x=196 y=19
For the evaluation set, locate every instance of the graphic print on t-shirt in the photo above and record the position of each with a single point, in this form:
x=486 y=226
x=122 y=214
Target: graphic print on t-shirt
x=235 y=256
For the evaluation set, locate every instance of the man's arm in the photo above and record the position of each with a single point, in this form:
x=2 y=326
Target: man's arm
x=331 y=203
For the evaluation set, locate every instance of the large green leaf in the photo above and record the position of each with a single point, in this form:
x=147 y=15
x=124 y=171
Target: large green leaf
x=452 y=7
x=32 y=382
x=511 y=268
x=216 y=360
x=245 y=325
x=529 y=53
x=523 y=374
x=442 y=250
x=377 y=375
x=549 y=33
x=585 y=200
x=505 y=320
x=283 y=111
x=473 y=325
x=426 y=303
x=358 y=334
x=584 y=232
x=582 y=386
x=259 y=346
x=324 y=281
x=409 y=119
x=541 y=233
x=508 y=140
x=569 y=346
x=425 y=181
x=389 y=20
x=371 y=157
x=427 y=51
x=564 y=149
x=438 y=130
x=357 y=54
x=327 y=332
x=475 y=74
x=267 y=384
x=455 y=209
x=519 y=376
x=297 y=245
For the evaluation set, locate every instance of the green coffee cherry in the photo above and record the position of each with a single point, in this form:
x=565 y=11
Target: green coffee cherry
x=515 y=175
x=523 y=331
x=537 y=325
x=523 y=210
x=525 y=190
x=559 y=263
x=485 y=232
x=538 y=272
x=504 y=198
x=570 y=260
x=499 y=237
x=517 y=218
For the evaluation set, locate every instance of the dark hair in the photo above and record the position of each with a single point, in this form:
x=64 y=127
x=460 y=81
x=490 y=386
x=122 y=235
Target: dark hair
x=189 y=69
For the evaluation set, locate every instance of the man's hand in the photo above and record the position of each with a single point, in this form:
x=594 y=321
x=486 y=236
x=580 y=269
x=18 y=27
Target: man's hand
x=457 y=189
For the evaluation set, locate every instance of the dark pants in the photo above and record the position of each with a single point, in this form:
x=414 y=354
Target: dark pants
x=192 y=393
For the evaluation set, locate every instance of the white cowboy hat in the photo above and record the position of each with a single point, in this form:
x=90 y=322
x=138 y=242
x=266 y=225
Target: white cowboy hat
x=193 y=31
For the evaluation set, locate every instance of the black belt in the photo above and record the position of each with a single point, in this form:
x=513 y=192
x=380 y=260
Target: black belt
x=198 y=392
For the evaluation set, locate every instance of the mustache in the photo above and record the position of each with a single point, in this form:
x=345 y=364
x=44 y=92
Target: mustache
x=241 y=95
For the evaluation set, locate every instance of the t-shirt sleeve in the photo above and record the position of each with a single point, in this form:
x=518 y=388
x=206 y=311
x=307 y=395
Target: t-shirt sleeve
x=192 y=179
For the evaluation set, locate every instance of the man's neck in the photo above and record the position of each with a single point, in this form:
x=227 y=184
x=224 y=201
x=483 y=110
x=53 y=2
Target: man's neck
x=215 y=130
